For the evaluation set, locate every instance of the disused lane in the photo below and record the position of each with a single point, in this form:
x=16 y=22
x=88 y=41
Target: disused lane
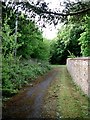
x=28 y=104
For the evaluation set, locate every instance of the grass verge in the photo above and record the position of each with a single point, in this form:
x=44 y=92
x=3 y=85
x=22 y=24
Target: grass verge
x=65 y=99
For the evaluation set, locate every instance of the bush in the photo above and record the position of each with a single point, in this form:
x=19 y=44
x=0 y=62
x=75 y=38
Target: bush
x=16 y=74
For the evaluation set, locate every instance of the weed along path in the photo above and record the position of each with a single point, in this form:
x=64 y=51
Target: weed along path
x=53 y=95
x=28 y=104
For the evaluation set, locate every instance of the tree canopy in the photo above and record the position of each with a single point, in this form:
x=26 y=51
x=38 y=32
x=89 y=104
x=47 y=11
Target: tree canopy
x=40 y=7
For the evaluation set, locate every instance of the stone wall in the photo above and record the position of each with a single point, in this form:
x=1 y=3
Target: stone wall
x=79 y=69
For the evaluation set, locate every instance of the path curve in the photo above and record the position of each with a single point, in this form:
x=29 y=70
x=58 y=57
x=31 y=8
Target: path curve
x=28 y=104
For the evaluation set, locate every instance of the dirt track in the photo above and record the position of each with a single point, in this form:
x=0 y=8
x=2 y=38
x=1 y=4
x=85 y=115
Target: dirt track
x=29 y=102
x=53 y=95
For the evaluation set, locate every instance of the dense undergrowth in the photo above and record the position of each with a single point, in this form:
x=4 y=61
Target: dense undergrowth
x=24 y=53
x=18 y=73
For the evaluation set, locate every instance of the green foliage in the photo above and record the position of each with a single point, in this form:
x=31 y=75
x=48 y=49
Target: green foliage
x=71 y=55
x=67 y=40
x=85 y=37
x=16 y=74
x=8 y=75
x=33 y=44
x=30 y=36
x=8 y=40
x=73 y=39
x=42 y=51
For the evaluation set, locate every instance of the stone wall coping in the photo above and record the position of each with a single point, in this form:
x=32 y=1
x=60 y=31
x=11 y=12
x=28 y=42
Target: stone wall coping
x=80 y=58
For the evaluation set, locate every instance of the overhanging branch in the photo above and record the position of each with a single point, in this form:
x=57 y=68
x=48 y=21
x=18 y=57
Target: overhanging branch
x=36 y=9
x=67 y=14
x=39 y=10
